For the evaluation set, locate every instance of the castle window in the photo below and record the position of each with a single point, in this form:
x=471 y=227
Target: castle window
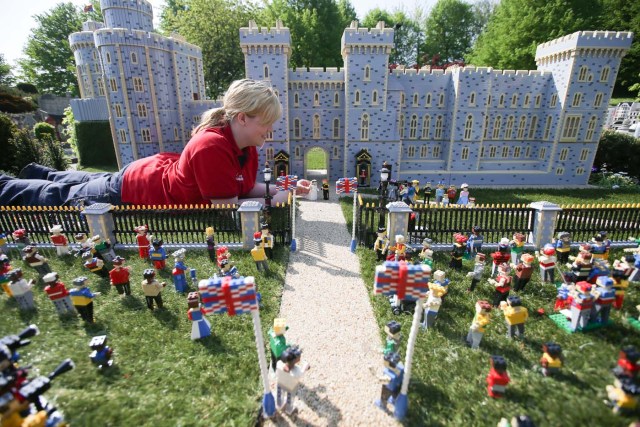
x=401 y=126
x=142 y=110
x=415 y=99
x=374 y=97
x=577 y=99
x=96 y=67
x=542 y=153
x=297 y=152
x=441 y=100
x=527 y=152
x=336 y=152
x=472 y=99
x=439 y=128
x=560 y=171
x=468 y=127
x=118 y=109
x=123 y=136
x=100 y=86
x=485 y=132
x=367 y=73
x=296 y=99
x=266 y=72
x=146 y=135
x=316 y=99
x=411 y=151
x=402 y=99
x=364 y=127
x=134 y=58
x=138 y=86
x=492 y=151
x=538 y=101
x=356 y=97
x=584 y=154
x=465 y=153
x=547 y=127
x=571 y=127
x=554 y=100
x=176 y=133
x=426 y=125
x=580 y=171
x=582 y=76
x=597 y=102
x=521 y=127
x=496 y=127
x=436 y=152
x=501 y=101
x=508 y=132
x=94 y=54
x=427 y=103
x=336 y=128
x=514 y=100
x=563 y=154
x=424 y=151
x=269 y=136
x=316 y=126
x=532 y=127
x=527 y=101
x=336 y=99
x=505 y=151
x=113 y=84
x=604 y=74
x=107 y=57
x=296 y=128
x=269 y=154
x=516 y=151
x=591 y=128
x=482 y=151
x=413 y=127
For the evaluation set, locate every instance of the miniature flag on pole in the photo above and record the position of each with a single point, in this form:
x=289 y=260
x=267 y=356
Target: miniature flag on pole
x=287 y=183
x=408 y=282
x=346 y=186
x=88 y=8
x=238 y=296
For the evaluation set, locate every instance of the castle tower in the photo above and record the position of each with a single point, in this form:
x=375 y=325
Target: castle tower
x=132 y=14
x=88 y=67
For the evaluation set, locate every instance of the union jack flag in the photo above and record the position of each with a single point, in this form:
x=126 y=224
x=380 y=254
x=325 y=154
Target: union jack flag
x=88 y=8
x=287 y=182
x=410 y=282
x=226 y=295
x=346 y=185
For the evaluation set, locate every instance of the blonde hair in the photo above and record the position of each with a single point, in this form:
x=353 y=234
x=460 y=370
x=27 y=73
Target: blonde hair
x=252 y=97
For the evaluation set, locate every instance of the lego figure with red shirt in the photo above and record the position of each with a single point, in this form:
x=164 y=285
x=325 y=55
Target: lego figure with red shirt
x=502 y=284
x=143 y=240
x=581 y=305
x=563 y=300
x=498 y=377
x=59 y=240
x=158 y=254
x=95 y=265
x=222 y=254
x=180 y=271
x=451 y=193
x=524 y=269
x=398 y=252
x=58 y=294
x=620 y=277
x=627 y=365
x=547 y=262
x=35 y=260
x=502 y=255
x=459 y=248
x=211 y=243
x=119 y=276
x=20 y=238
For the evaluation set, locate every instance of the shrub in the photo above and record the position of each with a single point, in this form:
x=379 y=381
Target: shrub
x=27 y=150
x=7 y=144
x=27 y=88
x=619 y=152
x=15 y=104
x=69 y=129
x=54 y=154
x=42 y=130
x=95 y=145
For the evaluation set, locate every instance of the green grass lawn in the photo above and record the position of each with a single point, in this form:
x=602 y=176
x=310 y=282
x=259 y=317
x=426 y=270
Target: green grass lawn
x=160 y=376
x=316 y=159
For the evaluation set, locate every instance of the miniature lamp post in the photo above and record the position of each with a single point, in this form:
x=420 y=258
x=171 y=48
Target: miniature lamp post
x=267 y=197
x=408 y=282
x=290 y=183
x=346 y=186
x=384 y=182
x=238 y=296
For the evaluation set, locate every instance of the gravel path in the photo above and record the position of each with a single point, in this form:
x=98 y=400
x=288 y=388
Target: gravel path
x=329 y=316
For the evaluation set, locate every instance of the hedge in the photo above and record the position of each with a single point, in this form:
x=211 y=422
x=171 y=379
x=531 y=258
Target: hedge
x=95 y=145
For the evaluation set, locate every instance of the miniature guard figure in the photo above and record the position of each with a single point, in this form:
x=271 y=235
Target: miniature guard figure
x=432 y=305
x=82 y=298
x=480 y=320
x=381 y=245
x=5 y=268
x=474 y=240
x=451 y=193
x=200 y=327
x=581 y=304
x=289 y=372
x=258 y=254
x=563 y=247
x=179 y=271
x=58 y=294
x=517 y=247
x=157 y=254
x=143 y=240
x=426 y=254
x=101 y=354
x=502 y=255
x=21 y=239
x=277 y=340
x=459 y=247
x=515 y=315
x=426 y=193
x=463 y=199
x=119 y=276
x=221 y=254
x=95 y=265
x=59 y=240
x=547 y=262
x=478 y=269
x=211 y=244
x=267 y=240
x=394 y=334
x=103 y=247
x=21 y=290
x=523 y=270
x=605 y=296
x=551 y=360
x=325 y=189
x=152 y=289
x=393 y=375
x=36 y=261
x=498 y=377
x=502 y=284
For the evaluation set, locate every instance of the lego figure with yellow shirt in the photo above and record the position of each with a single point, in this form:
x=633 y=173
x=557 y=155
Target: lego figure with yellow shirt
x=551 y=360
x=516 y=315
x=480 y=320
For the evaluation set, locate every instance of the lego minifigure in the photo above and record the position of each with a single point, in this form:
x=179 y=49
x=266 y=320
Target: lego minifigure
x=627 y=365
x=228 y=270
x=502 y=255
x=394 y=334
x=393 y=375
x=607 y=243
x=439 y=192
x=5 y=268
x=157 y=254
x=221 y=254
x=267 y=240
x=143 y=240
x=58 y=294
x=581 y=304
x=604 y=295
x=563 y=247
x=84 y=245
x=623 y=395
x=211 y=244
x=480 y=320
x=439 y=278
x=4 y=246
x=399 y=249
x=21 y=239
x=152 y=289
x=451 y=193
x=598 y=248
x=474 y=240
x=411 y=190
x=258 y=254
x=502 y=284
x=200 y=328
x=459 y=247
x=59 y=240
x=95 y=265
x=445 y=200
x=325 y=189
x=562 y=298
x=277 y=340
x=581 y=266
x=103 y=247
x=551 y=360
x=179 y=271
x=515 y=315
x=381 y=244
x=517 y=247
x=101 y=354
x=620 y=275
x=432 y=305
x=426 y=254
x=35 y=260
x=498 y=377
x=119 y=276
x=289 y=372
x=463 y=199
x=523 y=272
x=599 y=268
x=547 y=262
x=21 y=290
x=82 y=298
x=476 y=274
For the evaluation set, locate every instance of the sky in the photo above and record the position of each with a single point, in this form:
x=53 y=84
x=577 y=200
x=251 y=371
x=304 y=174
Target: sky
x=16 y=21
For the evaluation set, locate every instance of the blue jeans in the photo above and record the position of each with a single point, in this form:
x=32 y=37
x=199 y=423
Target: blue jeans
x=39 y=185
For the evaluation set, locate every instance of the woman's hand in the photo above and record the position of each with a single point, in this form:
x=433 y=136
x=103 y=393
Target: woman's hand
x=303 y=187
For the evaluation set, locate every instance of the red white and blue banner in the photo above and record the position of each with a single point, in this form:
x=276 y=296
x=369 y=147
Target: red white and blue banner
x=226 y=295
x=287 y=182
x=410 y=282
x=346 y=185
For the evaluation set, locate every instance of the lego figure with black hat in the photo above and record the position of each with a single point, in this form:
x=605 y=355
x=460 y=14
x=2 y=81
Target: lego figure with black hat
x=152 y=289
x=459 y=248
x=289 y=372
x=157 y=254
x=82 y=298
x=267 y=240
x=498 y=377
x=563 y=247
x=552 y=359
x=95 y=265
x=393 y=375
x=620 y=276
x=200 y=327
x=627 y=365
x=101 y=354
x=119 y=276
x=258 y=254
x=325 y=189
x=21 y=290
x=381 y=245
x=623 y=395
x=35 y=260
x=515 y=315
x=58 y=294
x=228 y=270
x=480 y=320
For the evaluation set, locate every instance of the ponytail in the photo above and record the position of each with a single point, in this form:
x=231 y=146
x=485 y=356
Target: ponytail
x=215 y=117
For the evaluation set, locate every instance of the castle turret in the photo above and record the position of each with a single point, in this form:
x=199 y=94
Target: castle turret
x=88 y=67
x=132 y=14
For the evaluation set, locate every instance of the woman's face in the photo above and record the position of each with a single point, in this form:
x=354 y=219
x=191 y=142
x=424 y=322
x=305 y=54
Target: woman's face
x=255 y=131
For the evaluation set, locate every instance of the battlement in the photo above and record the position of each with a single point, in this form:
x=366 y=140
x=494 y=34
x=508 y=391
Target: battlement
x=620 y=40
x=142 y=6
x=278 y=35
x=81 y=39
x=424 y=71
x=92 y=25
x=124 y=37
x=316 y=74
x=378 y=36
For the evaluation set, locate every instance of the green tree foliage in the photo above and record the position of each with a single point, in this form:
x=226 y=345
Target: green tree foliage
x=7 y=144
x=49 y=62
x=449 y=31
x=620 y=152
x=69 y=128
x=53 y=155
x=6 y=77
x=518 y=26
x=483 y=10
x=27 y=88
x=28 y=150
x=43 y=130
x=13 y=101
x=407 y=35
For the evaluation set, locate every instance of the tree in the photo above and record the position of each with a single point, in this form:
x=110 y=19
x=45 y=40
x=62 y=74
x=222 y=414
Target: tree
x=518 y=26
x=483 y=10
x=449 y=30
x=7 y=145
x=406 y=38
x=49 y=62
x=619 y=152
x=43 y=129
x=6 y=78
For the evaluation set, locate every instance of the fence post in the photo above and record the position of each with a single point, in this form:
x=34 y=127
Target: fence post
x=544 y=223
x=250 y=220
x=398 y=220
x=100 y=221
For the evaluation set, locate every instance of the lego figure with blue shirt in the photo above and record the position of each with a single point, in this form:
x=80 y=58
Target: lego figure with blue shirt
x=158 y=254
x=179 y=271
x=439 y=192
x=604 y=295
x=474 y=240
x=101 y=354
x=563 y=247
x=393 y=375
x=82 y=298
